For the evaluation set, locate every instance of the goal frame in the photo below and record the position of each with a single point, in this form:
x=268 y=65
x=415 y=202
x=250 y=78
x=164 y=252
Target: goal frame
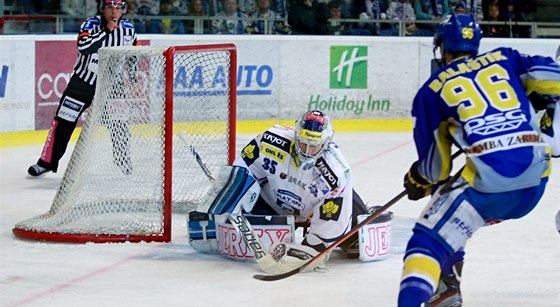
x=166 y=235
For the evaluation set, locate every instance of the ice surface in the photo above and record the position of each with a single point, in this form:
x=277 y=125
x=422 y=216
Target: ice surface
x=515 y=263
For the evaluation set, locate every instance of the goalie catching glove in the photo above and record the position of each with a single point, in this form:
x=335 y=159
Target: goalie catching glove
x=416 y=186
x=291 y=256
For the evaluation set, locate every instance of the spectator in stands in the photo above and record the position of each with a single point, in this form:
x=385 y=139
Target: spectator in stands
x=279 y=6
x=471 y=7
x=430 y=10
x=458 y=8
x=180 y=7
x=334 y=25
x=231 y=20
x=247 y=6
x=148 y=7
x=132 y=16
x=528 y=10
x=349 y=8
x=403 y=10
x=308 y=17
x=493 y=30
x=166 y=25
x=77 y=8
x=213 y=7
x=32 y=7
x=374 y=9
x=263 y=16
x=197 y=8
x=511 y=11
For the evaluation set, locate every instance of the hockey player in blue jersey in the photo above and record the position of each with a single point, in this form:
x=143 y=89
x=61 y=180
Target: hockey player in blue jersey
x=478 y=103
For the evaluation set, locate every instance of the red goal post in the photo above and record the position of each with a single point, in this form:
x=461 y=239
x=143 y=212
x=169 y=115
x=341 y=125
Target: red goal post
x=133 y=164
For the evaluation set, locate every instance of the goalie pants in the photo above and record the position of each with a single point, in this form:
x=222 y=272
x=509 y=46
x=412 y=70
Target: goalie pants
x=77 y=97
x=358 y=208
x=445 y=225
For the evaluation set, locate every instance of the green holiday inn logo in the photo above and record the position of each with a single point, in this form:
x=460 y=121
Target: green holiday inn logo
x=348 y=67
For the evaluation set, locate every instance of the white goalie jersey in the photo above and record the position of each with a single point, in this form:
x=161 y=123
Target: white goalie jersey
x=321 y=192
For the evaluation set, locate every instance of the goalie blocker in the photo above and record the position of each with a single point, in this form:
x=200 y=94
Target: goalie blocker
x=234 y=190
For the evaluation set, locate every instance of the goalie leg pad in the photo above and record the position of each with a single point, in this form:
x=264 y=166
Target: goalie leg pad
x=374 y=239
x=269 y=229
x=234 y=189
x=201 y=229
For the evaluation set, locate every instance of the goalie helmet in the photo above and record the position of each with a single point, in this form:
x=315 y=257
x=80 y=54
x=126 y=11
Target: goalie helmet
x=313 y=134
x=458 y=33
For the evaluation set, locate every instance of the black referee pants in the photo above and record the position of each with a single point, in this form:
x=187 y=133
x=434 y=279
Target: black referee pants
x=77 y=98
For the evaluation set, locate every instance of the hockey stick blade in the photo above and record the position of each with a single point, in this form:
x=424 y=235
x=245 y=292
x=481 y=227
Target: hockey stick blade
x=310 y=263
x=182 y=136
x=202 y=165
x=323 y=254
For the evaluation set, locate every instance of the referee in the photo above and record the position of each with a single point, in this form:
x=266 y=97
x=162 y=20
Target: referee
x=105 y=30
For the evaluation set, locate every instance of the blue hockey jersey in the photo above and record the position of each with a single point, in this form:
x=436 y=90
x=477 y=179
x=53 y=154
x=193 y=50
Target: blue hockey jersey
x=480 y=104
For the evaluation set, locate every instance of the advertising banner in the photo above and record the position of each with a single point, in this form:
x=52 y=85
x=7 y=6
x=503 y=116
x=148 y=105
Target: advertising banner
x=259 y=70
x=278 y=77
x=53 y=69
x=16 y=81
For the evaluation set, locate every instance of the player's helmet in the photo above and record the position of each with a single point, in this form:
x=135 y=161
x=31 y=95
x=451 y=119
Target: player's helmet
x=313 y=134
x=458 y=33
x=116 y=3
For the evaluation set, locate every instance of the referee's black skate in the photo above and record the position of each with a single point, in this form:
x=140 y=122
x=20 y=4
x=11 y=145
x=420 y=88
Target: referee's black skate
x=37 y=171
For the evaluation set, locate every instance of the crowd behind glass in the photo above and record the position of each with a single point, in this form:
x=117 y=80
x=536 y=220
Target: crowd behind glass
x=334 y=17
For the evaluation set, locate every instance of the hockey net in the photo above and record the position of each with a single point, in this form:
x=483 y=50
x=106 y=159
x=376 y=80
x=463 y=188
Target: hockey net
x=133 y=162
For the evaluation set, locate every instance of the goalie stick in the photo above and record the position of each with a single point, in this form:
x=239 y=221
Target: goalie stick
x=264 y=259
x=196 y=156
x=321 y=256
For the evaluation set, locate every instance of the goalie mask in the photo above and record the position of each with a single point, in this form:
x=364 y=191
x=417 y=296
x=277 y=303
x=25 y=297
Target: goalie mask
x=313 y=135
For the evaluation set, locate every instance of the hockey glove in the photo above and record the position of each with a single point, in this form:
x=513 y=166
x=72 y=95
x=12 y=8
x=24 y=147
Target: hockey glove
x=416 y=186
x=546 y=121
x=538 y=102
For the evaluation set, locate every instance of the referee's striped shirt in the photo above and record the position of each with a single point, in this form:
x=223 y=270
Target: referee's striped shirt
x=92 y=37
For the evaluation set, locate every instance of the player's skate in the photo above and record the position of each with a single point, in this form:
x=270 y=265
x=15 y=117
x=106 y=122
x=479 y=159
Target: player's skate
x=37 y=171
x=448 y=293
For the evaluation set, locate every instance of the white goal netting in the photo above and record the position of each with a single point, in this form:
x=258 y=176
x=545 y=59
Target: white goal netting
x=134 y=159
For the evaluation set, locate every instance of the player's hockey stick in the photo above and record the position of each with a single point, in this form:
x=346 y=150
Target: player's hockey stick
x=313 y=262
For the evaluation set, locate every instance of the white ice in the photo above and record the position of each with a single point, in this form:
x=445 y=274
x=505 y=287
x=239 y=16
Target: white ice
x=515 y=263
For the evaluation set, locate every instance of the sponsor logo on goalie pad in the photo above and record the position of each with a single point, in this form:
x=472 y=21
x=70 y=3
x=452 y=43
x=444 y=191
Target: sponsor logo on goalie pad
x=374 y=239
x=270 y=230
